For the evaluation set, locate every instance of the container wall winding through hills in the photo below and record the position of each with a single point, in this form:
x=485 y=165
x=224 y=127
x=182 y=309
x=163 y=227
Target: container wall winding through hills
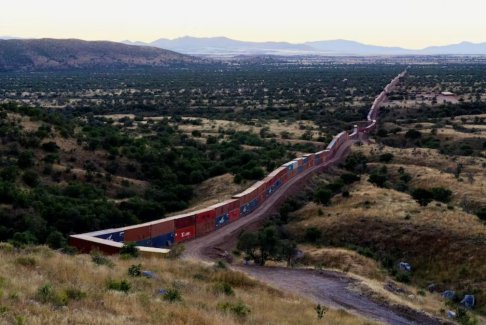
x=159 y=235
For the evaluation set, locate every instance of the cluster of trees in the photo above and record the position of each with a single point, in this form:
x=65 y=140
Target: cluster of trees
x=425 y=196
x=273 y=241
x=267 y=243
x=39 y=200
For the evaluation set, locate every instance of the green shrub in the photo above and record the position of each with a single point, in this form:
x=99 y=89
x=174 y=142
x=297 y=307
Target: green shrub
x=220 y=265
x=386 y=157
x=223 y=288
x=122 y=285
x=312 y=234
x=172 y=295
x=441 y=194
x=75 y=294
x=56 y=240
x=377 y=179
x=349 y=178
x=481 y=214
x=402 y=277
x=30 y=178
x=26 y=261
x=99 y=259
x=239 y=309
x=422 y=196
x=47 y=294
x=135 y=270
x=323 y=195
x=464 y=318
x=176 y=251
x=129 y=250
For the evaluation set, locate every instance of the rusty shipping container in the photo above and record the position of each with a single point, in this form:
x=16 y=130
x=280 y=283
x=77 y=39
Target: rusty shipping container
x=138 y=233
x=162 y=227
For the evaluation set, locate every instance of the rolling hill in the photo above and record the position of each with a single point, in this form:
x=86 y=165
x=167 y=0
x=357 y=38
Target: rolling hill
x=57 y=54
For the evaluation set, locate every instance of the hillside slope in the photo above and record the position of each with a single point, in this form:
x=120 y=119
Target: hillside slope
x=45 y=54
x=40 y=286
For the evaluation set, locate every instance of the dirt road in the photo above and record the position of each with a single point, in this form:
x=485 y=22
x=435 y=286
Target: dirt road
x=336 y=291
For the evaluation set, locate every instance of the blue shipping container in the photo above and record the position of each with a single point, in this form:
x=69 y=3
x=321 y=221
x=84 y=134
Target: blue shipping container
x=118 y=236
x=248 y=208
x=163 y=241
x=274 y=188
x=145 y=242
x=300 y=169
x=222 y=220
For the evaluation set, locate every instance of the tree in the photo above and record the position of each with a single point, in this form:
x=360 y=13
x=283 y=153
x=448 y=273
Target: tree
x=422 y=196
x=323 y=195
x=25 y=160
x=288 y=250
x=30 y=178
x=312 y=234
x=413 y=134
x=356 y=162
x=441 y=194
x=248 y=243
x=378 y=179
x=56 y=240
x=269 y=243
x=386 y=157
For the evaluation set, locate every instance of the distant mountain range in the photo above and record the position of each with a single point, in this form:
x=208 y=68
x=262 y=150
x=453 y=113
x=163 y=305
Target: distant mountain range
x=227 y=46
x=52 y=54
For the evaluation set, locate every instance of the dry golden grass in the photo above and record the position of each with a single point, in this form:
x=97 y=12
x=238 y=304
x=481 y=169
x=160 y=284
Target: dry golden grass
x=428 y=158
x=212 y=126
x=214 y=190
x=24 y=272
x=434 y=239
x=445 y=245
x=342 y=260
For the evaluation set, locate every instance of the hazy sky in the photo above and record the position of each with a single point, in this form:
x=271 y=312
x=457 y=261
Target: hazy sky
x=407 y=23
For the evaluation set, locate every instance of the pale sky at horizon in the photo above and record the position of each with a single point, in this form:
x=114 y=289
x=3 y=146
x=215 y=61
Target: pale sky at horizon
x=407 y=23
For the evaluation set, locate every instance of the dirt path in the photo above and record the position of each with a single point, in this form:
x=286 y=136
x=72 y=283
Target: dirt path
x=335 y=290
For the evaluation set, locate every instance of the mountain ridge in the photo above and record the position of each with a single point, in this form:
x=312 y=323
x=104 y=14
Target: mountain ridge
x=225 y=45
x=39 y=54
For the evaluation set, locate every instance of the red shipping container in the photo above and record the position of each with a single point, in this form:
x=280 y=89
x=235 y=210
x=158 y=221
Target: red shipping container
x=234 y=214
x=162 y=227
x=137 y=233
x=205 y=227
x=235 y=204
x=184 y=234
x=184 y=222
x=203 y=216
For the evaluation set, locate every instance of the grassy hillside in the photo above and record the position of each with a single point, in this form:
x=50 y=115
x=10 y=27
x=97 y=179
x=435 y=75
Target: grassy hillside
x=45 y=54
x=444 y=242
x=41 y=286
